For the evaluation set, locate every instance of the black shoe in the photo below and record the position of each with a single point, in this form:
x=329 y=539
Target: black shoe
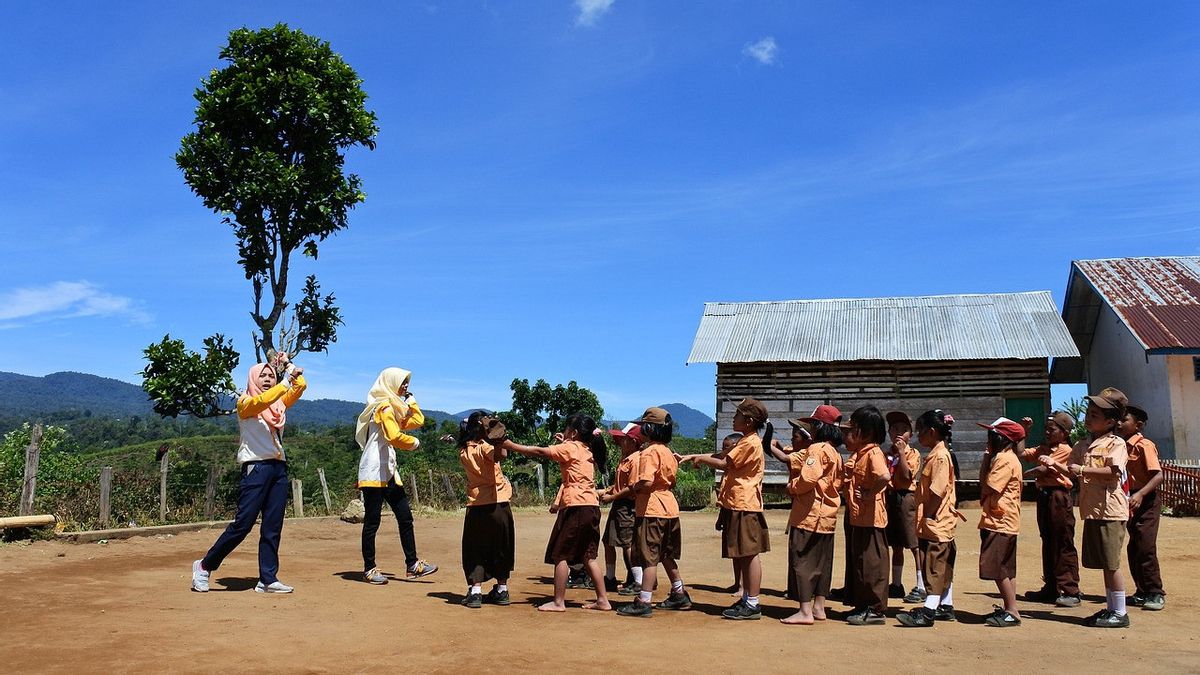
x=1065 y=600
x=742 y=611
x=1046 y=595
x=837 y=593
x=916 y=595
x=1135 y=600
x=920 y=617
x=497 y=597
x=679 y=601
x=636 y=608
x=1111 y=620
x=865 y=617
x=610 y=584
x=895 y=591
x=631 y=588
x=582 y=581
x=944 y=613
x=1154 y=602
x=1091 y=620
x=473 y=600
x=1002 y=619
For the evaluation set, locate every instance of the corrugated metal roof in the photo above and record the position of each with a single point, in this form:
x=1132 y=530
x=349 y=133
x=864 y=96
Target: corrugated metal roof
x=1157 y=298
x=923 y=328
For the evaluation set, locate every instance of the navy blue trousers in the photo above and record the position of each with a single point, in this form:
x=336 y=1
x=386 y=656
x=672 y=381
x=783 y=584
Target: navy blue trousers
x=264 y=490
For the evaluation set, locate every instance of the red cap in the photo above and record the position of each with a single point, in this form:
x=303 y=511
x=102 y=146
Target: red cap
x=1006 y=428
x=824 y=413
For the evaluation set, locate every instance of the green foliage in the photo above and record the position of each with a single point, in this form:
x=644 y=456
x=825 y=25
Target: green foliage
x=1077 y=408
x=180 y=381
x=62 y=477
x=538 y=412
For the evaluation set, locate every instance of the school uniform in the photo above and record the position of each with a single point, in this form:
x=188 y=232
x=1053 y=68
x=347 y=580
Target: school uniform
x=1000 y=518
x=867 y=549
x=743 y=528
x=814 y=481
x=1143 y=522
x=1103 y=502
x=657 y=535
x=575 y=537
x=1056 y=522
x=937 y=519
x=489 y=535
x=379 y=478
x=618 y=529
x=901 y=501
x=264 y=482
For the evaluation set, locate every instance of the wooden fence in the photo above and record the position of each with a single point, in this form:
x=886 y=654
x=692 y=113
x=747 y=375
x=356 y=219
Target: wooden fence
x=1180 y=489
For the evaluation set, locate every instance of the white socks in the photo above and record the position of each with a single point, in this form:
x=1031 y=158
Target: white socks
x=501 y=588
x=1116 y=602
x=644 y=596
x=932 y=601
x=921 y=581
x=751 y=600
x=637 y=575
x=474 y=589
x=948 y=596
x=897 y=572
x=610 y=571
x=677 y=586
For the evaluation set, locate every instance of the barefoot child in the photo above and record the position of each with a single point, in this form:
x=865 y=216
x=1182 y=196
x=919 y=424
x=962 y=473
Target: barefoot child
x=618 y=530
x=576 y=533
x=1000 y=516
x=903 y=462
x=866 y=554
x=1145 y=475
x=657 y=536
x=814 y=478
x=744 y=533
x=488 y=532
x=1055 y=513
x=936 y=521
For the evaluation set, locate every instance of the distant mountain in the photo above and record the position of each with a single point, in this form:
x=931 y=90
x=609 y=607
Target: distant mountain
x=689 y=422
x=26 y=396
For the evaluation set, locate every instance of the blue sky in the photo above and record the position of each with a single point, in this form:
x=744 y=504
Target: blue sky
x=559 y=186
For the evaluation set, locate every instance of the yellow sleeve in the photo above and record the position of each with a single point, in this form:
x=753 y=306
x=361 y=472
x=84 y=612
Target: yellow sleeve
x=415 y=419
x=294 y=392
x=392 y=431
x=249 y=406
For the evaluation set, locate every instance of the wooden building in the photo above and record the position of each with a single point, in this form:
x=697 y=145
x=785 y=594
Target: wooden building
x=975 y=356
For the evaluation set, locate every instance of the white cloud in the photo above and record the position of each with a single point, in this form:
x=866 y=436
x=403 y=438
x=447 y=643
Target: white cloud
x=64 y=300
x=590 y=11
x=764 y=51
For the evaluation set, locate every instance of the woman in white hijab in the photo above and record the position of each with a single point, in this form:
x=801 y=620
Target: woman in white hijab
x=390 y=411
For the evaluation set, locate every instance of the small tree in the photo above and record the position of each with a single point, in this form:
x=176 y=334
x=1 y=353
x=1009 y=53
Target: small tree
x=272 y=127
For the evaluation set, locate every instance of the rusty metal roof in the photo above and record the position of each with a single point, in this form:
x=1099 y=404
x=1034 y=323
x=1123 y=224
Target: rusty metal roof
x=1157 y=298
x=923 y=328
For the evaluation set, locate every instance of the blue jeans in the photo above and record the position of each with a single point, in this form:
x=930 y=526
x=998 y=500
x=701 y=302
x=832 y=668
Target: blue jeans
x=263 y=490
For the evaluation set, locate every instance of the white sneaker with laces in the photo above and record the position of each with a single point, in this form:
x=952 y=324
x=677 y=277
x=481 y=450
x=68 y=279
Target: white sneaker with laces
x=199 y=578
x=275 y=587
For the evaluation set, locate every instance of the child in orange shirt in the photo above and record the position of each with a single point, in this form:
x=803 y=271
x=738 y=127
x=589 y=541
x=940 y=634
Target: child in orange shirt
x=576 y=533
x=618 y=530
x=903 y=461
x=1055 y=513
x=489 y=535
x=727 y=444
x=1145 y=475
x=1000 y=516
x=867 y=475
x=744 y=533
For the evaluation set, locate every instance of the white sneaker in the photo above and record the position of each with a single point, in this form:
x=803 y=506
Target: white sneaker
x=275 y=587
x=199 y=578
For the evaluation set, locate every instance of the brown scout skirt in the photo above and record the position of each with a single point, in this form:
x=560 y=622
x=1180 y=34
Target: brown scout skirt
x=1103 y=541
x=656 y=540
x=810 y=564
x=743 y=533
x=488 y=542
x=867 y=564
x=997 y=555
x=618 y=529
x=902 y=519
x=576 y=535
x=938 y=565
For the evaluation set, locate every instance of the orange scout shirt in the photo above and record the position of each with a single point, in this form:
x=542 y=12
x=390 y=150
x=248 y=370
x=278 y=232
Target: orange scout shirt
x=1047 y=477
x=910 y=457
x=1103 y=497
x=936 y=496
x=657 y=464
x=869 y=466
x=1143 y=460
x=486 y=483
x=578 y=474
x=626 y=472
x=814 y=480
x=741 y=488
x=1001 y=505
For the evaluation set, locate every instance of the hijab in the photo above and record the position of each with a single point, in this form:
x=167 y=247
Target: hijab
x=383 y=392
x=276 y=413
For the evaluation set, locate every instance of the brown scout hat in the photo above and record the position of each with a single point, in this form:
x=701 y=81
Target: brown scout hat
x=494 y=429
x=1062 y=420
x=805 y=428
x=1110 y=398
x=655 y=416
x=753 y=408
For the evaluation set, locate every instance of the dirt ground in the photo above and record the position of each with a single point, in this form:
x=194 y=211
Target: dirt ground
x=125 y=606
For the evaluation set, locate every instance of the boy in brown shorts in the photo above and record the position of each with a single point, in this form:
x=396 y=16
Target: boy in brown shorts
x=618 y=530
x=903 y=462
x=1099 y=464
x=1145 y=475
x=744 y=533
x=1000 y=517
x=1055 y=513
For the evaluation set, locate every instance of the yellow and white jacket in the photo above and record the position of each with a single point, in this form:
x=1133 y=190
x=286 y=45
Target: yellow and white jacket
x=385 y=435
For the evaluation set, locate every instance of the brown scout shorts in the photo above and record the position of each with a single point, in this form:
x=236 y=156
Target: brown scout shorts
x=743 y=533
x=655 y=540
x=997 y=555
x=1103 y=542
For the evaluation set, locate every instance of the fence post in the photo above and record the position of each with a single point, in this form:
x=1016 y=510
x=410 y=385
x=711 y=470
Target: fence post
x=541 y=482
x=412 y=483
x=210 y=492
x=297 y=498
x=431 y=491
x=105 y=495
x=162 y=488
x=33 y=455
x=449 y=490
x=325 y=491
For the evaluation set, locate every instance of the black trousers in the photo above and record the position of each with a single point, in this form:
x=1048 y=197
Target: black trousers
x=397 y=499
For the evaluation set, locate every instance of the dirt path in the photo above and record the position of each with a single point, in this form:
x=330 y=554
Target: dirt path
x=125 y=607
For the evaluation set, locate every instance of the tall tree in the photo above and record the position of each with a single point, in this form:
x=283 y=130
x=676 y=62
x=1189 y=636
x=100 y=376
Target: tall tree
x=272 y=127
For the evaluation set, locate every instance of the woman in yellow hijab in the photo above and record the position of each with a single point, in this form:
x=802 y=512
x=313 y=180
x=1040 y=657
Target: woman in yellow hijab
x=390 y=411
